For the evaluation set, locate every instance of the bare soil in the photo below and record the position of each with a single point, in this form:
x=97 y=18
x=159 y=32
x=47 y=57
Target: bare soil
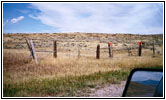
x=111 y=90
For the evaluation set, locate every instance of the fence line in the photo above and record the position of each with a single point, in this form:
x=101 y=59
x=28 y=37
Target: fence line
x=109 y=48
x=44 y=51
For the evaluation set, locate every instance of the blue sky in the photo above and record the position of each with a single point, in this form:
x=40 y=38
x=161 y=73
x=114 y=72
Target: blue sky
x=138 y=18
x=145 y=75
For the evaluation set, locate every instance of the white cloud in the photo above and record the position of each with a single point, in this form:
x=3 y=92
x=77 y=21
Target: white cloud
x=15 y=20
x=31 y=16
x=101 y=17
x=23 y=11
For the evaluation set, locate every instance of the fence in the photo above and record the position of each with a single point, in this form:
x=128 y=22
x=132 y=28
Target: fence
x=79 y=52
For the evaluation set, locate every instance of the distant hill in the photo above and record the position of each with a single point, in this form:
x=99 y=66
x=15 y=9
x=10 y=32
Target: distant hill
x=149 y=82
x=120 y=41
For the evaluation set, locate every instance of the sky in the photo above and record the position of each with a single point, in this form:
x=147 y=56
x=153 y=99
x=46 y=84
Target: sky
x=145 y=75
x=136 y=18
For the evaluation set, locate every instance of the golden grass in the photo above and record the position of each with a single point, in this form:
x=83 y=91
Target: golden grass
x=65 y=75
x=18 y=66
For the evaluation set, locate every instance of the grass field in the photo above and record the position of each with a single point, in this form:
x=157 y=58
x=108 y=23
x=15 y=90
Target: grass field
x=67 y=75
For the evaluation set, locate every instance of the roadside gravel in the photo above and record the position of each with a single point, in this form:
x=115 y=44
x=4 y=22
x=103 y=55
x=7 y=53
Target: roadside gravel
x=111 y=90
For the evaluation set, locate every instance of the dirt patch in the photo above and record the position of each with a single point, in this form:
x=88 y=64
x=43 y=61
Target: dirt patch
x=111 y=90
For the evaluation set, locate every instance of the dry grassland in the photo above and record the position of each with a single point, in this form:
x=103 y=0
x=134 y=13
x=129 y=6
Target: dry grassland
x=67 y=75
x=18 y=68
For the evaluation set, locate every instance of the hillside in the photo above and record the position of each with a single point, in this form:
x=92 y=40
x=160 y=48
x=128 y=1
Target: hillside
x=17 y=41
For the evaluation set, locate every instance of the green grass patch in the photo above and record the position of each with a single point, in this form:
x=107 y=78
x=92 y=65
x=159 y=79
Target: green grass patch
x=65 y=86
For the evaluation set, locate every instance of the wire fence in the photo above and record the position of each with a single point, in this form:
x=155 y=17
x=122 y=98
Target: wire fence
x=95 y=50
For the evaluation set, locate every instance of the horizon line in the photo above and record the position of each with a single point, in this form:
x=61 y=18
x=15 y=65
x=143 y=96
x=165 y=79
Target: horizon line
x=82 y=33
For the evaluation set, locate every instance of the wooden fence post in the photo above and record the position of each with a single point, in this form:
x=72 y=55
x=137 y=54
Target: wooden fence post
x=29 y=47
x=33 y=51
x=55 y=49
x=110 y=49
x=153 y=49
x=78 y=51
x=139 y=48
x=98 y=52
